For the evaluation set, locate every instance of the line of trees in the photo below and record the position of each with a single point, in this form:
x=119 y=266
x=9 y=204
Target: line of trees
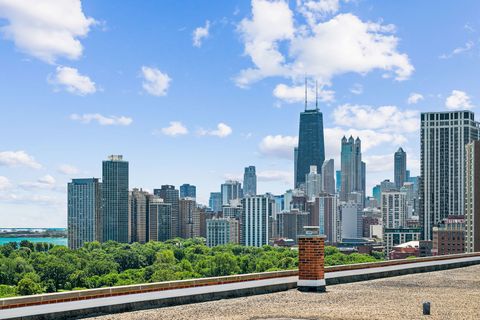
x=31 y=268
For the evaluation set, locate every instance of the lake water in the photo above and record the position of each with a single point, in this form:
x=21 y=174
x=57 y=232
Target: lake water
x=57 y=241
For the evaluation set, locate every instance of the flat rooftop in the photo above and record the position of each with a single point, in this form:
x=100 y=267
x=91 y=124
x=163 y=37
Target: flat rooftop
x=454 y=294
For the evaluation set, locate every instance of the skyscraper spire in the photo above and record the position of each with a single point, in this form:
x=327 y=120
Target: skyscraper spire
x=305 y=92
x=316 y=94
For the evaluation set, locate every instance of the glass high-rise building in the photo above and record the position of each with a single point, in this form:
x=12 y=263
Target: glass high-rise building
x=311 y=145
x=171 y=195
x=352 y=168
x=249 y=181
x=231 y=190
x=338 y=181
x=84 y=209
x=188 y=191
x=215 y=201
x=328 y=176
x=115 y=199
x=313 y=183
x=377 y=193
x=400 y=167
x=295 y=159
x=443 y=137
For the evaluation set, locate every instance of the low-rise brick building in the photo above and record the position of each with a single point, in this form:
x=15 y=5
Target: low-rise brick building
x=449 y=236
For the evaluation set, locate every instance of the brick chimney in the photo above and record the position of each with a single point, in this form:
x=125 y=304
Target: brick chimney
x=311 y=245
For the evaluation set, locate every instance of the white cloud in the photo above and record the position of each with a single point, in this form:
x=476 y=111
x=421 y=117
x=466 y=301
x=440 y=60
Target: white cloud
x=67 y=169
x=155 y=82
x=458 y=100
x=379 y=163
x=346 y=44
x=468 y=27
x=386 y=118
x=278 y=146
x=276 y=175
x=467 y=47
x=72 y=81
x=356 y=89
x=102 y=120
x=271 y=22
x=247 y=135
x=45 y=182
x=233 y=176
x=201 y=33
x=176 y=128
x=414 y=98
x=28 y=199
x=322 y=50
x=297 y=93
x=4 y=183
x=222 y=131
x=46 y=29
x=315 y=10
x=47 y=179
x=17 y=159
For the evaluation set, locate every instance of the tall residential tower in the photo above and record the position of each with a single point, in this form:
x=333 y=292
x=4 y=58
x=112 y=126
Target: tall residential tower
x=114 y=217
x=84 y=209
x=138 y=215
x=250 y=181
x=257 y=211
x=472 y=197
x=400 y=167
x=170 y=195
x=443 y=136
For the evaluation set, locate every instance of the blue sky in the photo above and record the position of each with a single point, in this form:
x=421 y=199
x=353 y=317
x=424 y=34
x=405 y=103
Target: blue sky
x=192 y=92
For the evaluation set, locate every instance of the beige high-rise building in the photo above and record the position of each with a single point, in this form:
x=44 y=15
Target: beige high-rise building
x=443 y=136
x=472 y=197
x=189 y=218
x=137 y=216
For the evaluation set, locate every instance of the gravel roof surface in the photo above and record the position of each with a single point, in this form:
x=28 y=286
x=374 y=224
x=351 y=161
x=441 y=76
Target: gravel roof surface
x=454 y=294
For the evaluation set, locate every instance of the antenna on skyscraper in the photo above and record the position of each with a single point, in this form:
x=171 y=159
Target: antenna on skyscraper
x=316 y=94
x=305 y=92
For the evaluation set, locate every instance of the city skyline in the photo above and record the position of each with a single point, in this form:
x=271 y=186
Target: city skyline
x=84 y=105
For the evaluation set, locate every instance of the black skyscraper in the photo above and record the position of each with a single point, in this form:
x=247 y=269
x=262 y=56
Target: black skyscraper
x=311 y=146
